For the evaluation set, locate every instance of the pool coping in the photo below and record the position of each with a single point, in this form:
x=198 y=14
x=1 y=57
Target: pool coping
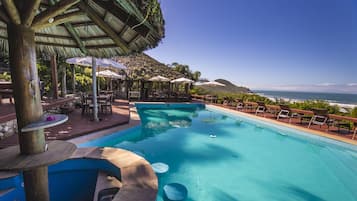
x=139 y=181
x=306 y=130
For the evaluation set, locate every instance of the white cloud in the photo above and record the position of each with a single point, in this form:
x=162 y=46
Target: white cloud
x=326 y=84
x=351 y=84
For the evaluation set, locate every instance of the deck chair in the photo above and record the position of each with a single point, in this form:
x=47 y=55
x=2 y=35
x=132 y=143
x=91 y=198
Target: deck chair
x=284 y=112
x=261 y=108
x=320 y=117
x=240 y=104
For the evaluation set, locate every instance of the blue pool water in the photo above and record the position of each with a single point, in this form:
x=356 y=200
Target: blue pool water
x=70 y=180
x=248 y=160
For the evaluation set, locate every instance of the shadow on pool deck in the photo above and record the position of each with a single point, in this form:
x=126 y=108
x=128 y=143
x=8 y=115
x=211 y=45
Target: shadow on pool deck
x=78 y=124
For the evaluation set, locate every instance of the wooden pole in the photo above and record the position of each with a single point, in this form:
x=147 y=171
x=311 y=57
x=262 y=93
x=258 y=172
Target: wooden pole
x=22 y=57
x=94 y=87
x=64 y=81
x=54 y=76
x=73 y=79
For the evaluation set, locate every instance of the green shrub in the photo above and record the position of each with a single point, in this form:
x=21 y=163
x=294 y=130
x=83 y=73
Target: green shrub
x=354 y=112
x=5 y=76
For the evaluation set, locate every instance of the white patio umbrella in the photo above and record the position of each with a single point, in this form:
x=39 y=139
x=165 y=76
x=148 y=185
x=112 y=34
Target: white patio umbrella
x=93 y=62
x=159 y=78
x=109 y=74
x=210 y=83
x=182 y=80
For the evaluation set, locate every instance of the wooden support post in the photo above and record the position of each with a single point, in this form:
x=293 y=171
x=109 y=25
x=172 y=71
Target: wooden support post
x=64 y=80
x=73 y=79
x=94 y=87
x=33 y=194
x=54 y=76
x=22 y=57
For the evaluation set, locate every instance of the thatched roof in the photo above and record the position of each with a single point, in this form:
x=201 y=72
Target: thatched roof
x=142 y=66
x=101 y=28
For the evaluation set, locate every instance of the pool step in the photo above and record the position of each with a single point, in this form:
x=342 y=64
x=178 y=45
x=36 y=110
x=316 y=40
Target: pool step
x=6 y=193
x=106 y=187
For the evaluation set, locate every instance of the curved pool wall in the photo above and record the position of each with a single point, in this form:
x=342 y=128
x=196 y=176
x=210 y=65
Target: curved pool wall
x=70 y=180
x=335 y=161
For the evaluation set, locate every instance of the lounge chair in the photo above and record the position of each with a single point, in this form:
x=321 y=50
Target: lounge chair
x=261 y=108
x=320 y=117
x=240 y=104
x=284 y=112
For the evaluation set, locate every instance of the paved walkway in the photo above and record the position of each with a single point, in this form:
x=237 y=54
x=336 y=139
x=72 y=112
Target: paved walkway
x=78 y=124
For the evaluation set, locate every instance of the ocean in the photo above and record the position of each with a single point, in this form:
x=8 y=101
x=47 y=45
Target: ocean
x=345 y=100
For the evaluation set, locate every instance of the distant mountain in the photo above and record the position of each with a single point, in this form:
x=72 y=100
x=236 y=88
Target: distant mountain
x=229 y=88
x=142 y=66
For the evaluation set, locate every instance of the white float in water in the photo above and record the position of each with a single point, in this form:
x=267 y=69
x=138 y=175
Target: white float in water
x=160 y=168
x=212 y=136
x=175 y=192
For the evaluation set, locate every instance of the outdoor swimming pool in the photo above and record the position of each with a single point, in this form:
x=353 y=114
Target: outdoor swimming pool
x=226 y=157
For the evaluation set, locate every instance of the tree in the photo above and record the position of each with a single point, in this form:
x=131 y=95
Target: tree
x=185 y=70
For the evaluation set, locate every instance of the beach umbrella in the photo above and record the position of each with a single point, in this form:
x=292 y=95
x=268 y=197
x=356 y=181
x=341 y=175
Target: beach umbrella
x=159 y=78
x=93 y=62
x=182 y=80
x=67 y=28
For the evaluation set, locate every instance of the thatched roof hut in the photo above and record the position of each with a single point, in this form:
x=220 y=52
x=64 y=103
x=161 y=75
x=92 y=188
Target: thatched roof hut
x=142 y=66
x=114 y=27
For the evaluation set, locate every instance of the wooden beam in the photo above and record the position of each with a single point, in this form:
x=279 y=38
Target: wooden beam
x=3 y=16
x=105 y=27
x=134 y=39
x=123 y=30
x=99 y=37
x=59 y=20
x=12 y=11
x=55 y=44
x=82 y=24
x=123 y=15
x=53 y=11
x=61 y=36
x=76 y=38
x=101 y=46
x=53 y=36
x=30 y=12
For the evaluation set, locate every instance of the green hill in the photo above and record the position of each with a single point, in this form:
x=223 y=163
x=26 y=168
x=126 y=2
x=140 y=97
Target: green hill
x=229 y=88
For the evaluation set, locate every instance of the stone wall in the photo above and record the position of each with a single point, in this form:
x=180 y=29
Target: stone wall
x=8 y=128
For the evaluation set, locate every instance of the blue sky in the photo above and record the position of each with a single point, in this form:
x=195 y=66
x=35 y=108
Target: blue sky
x=304 y=45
